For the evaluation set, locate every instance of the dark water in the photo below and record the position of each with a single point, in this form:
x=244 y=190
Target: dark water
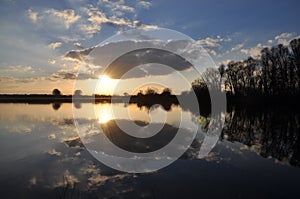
x=257 y=156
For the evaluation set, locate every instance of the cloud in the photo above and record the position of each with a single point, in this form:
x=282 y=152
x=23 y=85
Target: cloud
x=54 y=152
x=52 y=61
x=140 y=25
x=213 y=42
x=96 y=58
x=140 y=57
x=77 y=55
x=116 y=6
x=33 y=16
x=211 y=51
x=90 y=29
x=20 y=69
x=96 y=18
x=213 y=45
x=63 y=74
x=20 y=129
x=237 y=47
x=144 y=4
x=52 y=136
x=55 y=45
x=7 y=79
x=68 y=16
x=68 y=180
x=88 y=20
x=254 y=51
x=284 y=38
x=78 y=45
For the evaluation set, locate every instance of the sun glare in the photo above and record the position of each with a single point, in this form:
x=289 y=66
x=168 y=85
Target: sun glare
x=104 y=79
x=105 y=114
x=106 y=85
x=104 y=118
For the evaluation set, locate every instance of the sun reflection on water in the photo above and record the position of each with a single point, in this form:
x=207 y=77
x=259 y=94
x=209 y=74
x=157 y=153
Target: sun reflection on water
x=105 y=114
x=104 y=118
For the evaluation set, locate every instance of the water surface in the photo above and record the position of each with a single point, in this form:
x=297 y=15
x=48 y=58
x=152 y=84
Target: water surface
x=257 y=156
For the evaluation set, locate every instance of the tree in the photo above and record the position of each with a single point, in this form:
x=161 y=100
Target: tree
x=78 y=93
x=198 y=84
x=295 y=60
x=150 y=91
x=166 y=92
x=275 y=73
x=56 y=92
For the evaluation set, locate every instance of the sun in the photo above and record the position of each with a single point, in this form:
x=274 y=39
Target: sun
x=104 y=79
x=106 y=85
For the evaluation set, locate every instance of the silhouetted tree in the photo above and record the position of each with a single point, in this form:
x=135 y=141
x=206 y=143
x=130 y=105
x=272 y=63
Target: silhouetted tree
x=78 y=93
x=150 y=91
x=275 y=73
x=56 y=92
x=166 y=92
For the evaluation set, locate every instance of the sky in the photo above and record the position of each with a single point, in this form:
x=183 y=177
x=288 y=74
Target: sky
x=36 y=35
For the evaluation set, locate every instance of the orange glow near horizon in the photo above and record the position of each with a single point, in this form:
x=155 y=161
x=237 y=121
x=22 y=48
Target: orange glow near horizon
x=106 y=85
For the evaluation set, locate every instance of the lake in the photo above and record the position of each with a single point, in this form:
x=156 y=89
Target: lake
x=257 y=155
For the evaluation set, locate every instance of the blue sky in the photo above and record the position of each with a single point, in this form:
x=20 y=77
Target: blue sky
x=36 y=34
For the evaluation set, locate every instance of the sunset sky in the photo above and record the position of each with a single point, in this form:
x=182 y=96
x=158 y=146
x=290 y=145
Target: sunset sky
x=36 y=35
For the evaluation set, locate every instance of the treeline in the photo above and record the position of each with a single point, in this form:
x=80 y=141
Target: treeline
x=150 y=97
x=275 y=73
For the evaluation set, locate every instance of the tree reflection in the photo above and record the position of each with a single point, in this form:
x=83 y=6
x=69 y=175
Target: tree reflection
x=273 y=133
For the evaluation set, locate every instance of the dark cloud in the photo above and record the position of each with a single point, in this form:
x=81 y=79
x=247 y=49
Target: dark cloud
x=138 y=57
x=63 y=75
x=78 y=54
x=72 y=75
x=146 y=57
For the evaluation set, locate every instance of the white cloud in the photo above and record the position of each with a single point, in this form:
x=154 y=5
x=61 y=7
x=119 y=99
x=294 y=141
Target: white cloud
x=117 y=6
x=52 y=61
x=67 y=17
x=33 y=16
x=211 y=52
x=237 y=47
x=89 y=29
x=144 y=4
x=17 y=69
x=213 y=42
x=254 y=51
x=95 y=15
x=54 y=152
x=96 y=18
x=55 y=45
x=77 y=44
x=284 y=38
x=88 y=20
